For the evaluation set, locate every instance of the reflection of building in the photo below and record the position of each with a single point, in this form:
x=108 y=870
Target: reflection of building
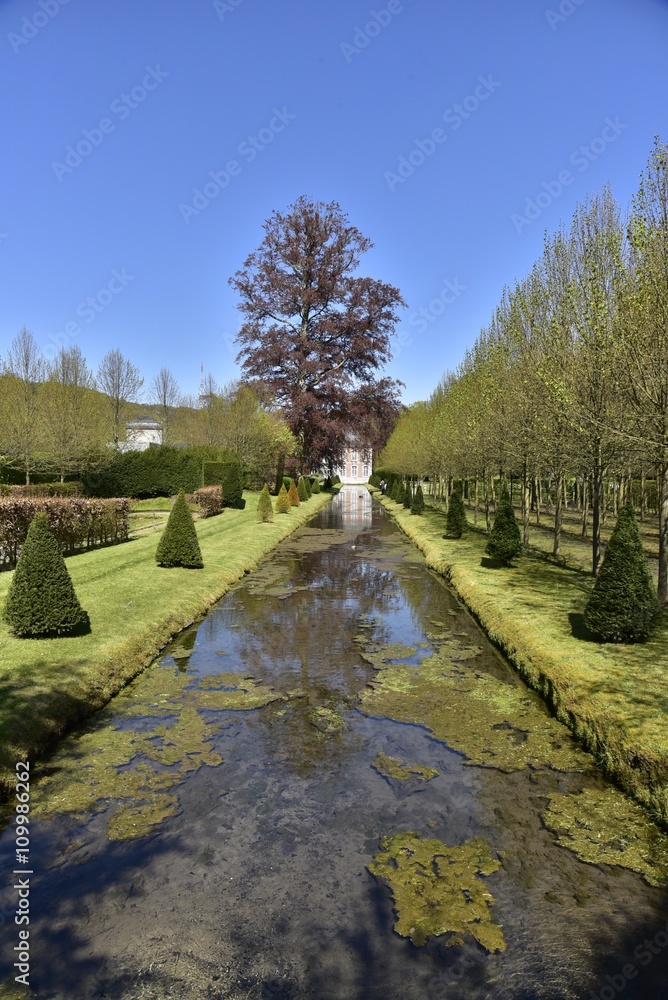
x=355 y=505
x=355 y=466
x=141 y=434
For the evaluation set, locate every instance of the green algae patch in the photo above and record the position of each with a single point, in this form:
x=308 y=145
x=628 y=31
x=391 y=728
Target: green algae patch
x=326 y=720
x=437 y=889
x=392 y=767
x=492 y=723
x=603 y=826
x=159 y=738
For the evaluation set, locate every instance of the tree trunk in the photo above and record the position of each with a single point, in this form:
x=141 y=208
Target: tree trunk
x=476 y=498
x=662 y=484
x=597 y=486
x=585 y=505
x=280 y=469
x=643 y=495
x=488 y=523
x=558 y=513
x=526 y=504
x=537 y=492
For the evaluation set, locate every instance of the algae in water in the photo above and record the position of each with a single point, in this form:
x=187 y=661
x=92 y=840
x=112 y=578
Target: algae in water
x=392 y=767
x=603 y=826
x=437 y=889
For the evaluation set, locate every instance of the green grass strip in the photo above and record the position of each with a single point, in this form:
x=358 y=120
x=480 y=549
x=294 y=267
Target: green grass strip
x=614 y=698
x=135 y=607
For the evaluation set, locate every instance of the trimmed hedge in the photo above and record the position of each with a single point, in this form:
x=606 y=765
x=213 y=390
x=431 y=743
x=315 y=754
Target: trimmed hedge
x=209 y=499
x=41 y=601
x=283 y=505
x=78 y=523
x=178 y=545
x=161 y=471
x=233 y=481
x=265 y=508
x=73 y=489
x=212 y=473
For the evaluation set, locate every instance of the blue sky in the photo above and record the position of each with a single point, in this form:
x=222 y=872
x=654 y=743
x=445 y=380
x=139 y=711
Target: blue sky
x=431 y=123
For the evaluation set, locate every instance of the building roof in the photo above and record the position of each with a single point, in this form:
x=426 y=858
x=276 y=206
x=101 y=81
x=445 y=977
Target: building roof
x=144 y=421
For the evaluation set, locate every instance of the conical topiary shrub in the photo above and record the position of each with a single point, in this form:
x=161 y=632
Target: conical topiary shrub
x=283 y=505
x=307 y=484
x=178 y=545
x=316 y=486
x=408 y=496
x=623 y=606
x=41 y=601
x=265 y=508
x=302 y=490
x=455 y=524
x=505 y=541
x=417 y=503
x=293 y=494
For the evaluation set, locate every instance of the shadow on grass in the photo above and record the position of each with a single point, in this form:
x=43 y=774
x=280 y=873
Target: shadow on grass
x=578 y=628
x=488 y=563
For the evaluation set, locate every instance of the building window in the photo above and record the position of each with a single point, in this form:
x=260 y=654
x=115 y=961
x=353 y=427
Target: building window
x=366 y=471
x=354 y=456
x=354 y=470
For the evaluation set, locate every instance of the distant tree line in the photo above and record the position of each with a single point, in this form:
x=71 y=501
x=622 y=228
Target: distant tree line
x=565 y=391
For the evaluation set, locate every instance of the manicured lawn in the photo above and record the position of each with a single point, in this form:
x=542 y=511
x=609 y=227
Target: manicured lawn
x=613 y=697
x=135 y=607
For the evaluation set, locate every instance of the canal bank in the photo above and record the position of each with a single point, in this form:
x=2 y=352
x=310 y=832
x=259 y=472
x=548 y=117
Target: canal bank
x=250 y=816
x=614 y=698
x=135 y=607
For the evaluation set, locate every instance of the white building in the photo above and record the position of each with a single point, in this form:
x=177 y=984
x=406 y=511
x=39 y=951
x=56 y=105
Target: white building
x=141 y=434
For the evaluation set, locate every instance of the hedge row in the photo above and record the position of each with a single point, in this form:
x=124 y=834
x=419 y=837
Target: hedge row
x=209 y=499
x=77 y=522
x=42 y=490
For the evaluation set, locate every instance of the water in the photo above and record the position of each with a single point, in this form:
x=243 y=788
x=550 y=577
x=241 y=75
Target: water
x=253 y=881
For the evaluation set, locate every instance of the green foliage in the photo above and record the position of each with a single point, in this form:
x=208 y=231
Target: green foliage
x=417 y=503
x=212 y=473
x=178 y=545
x=157 y=472
x=293 y=494
x=398 y=491
x=456 y=520
x=233 y=481
x=623 y=606
x=265 y=509
x=41 y=600
x=505 y=541
x=328 y=483
x=283 y=504
x=316 y=486
x=302 y=490
x=307 y=483
x=336 y=480
x=408 y=496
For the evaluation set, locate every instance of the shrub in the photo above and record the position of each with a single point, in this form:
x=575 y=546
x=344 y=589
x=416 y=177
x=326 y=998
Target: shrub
x=417 y=503
x=283 y=505
x=327 y=485
x=41 y=600
x=233 y=481
x=302 y=490
x=455 y=524
x=398 y=492
x=178 y=545
x=408 y=496
x=293 y=494
x=336 y=480
x=316 y=487
x=156 y=472
x=265 y=509
x=307 y=484
x=78 y=523
x=623 y=606
x=505 y=541
x=209 y=499
x=212 y=473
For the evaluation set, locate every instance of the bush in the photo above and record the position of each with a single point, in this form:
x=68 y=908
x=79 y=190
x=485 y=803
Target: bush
x=397 y=492
x=307 y=484
x=302 y=490
x=265 y=509
x=73 y=489
x=161 y=471
x=408 y=496
x=316 y=487
x=233 y=482
x=327 y=485
x=456 y=524
x=209 y=499
x=505 y=541
x=336 y=480
x=293 y=494
x=283 y=504
x=178 y=545
x=78 y=523
x=41 y=601
x=623 y=606
x=417 y=503
x=212 y=473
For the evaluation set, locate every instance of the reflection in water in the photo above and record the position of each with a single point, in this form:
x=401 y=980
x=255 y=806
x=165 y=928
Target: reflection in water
x=258 y=884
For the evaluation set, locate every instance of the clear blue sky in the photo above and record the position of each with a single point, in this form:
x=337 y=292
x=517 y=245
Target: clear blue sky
x=333 y=110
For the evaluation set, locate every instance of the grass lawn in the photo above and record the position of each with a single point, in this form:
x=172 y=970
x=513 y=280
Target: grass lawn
x=135 y=607
x=613 y=697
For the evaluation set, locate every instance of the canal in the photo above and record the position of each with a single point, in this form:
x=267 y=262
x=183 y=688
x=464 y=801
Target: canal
x=334 y=788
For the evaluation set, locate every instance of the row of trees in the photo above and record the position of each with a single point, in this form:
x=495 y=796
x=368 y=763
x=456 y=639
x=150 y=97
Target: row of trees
x=58 y=418
x=569 y=381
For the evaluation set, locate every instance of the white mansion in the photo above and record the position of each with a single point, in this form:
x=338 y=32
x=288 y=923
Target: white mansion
x=355 y=466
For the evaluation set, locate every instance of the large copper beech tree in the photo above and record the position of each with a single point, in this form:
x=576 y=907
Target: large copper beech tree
x=315 y=333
